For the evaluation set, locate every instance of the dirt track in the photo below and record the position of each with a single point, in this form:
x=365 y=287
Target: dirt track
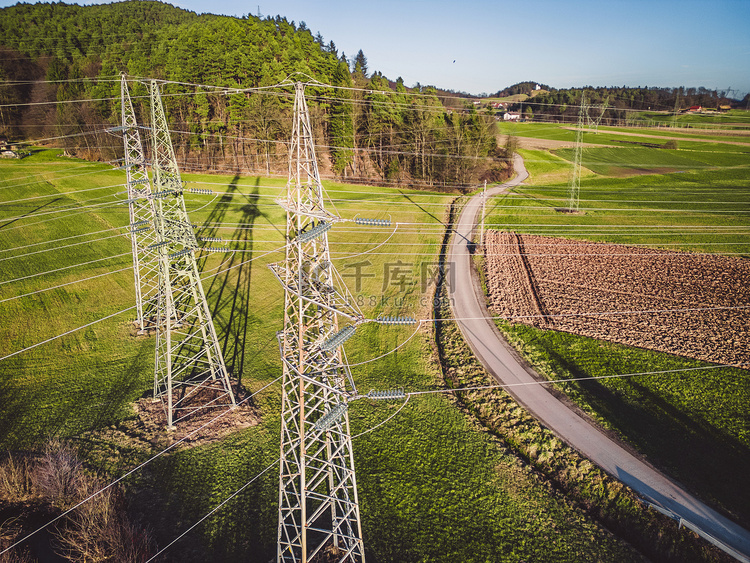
x=593 y=288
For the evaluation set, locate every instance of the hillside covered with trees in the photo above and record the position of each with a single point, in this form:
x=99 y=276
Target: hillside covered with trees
x=373 y=128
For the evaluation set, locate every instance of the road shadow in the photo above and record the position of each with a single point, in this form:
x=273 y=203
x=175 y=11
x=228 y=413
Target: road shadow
x=703 y=457
x=676 y=510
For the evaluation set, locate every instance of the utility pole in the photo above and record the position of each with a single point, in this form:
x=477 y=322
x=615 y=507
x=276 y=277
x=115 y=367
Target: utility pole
x=575 y=179
x=676 y=109
x=141 y=210
x=190 y=374
x=484 y=201
x=318 y=506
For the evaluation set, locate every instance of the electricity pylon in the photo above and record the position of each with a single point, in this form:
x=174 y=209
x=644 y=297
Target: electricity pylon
x=676 y=110
x=141 y=208
x=594 y=122
x=190 y=374
x=318 y=506
x=575 y=178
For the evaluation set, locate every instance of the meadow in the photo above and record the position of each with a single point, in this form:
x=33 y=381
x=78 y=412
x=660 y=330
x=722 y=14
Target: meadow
x=732 y=119
x=692 y=199
x=653 y=137
x=433 y=485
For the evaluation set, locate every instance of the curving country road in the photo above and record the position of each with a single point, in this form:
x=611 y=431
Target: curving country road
x=495 y=354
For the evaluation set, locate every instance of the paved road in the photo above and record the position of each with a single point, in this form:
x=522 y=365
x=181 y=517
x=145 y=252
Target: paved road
x=495 y=354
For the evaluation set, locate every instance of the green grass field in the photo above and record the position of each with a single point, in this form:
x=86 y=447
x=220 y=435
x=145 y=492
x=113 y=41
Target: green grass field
x=701 y=204
x=732 y=119
x=724 y=139
x=433 y=486
x=694 y=200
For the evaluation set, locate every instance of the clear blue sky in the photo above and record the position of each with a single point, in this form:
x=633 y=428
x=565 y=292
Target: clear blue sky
x=496 y=43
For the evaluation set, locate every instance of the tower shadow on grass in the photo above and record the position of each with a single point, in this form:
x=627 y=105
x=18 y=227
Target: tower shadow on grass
x=230 y=289
x=63 y=406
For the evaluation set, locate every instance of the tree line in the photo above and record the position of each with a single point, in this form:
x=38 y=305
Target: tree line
x=615 y=105
x=367 y=126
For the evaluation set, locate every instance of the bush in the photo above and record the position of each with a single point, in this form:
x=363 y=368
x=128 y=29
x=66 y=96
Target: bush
x=97 y=530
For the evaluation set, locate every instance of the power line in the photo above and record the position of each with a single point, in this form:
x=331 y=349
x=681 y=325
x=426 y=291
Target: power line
x=63 y=285
x=571 y=380
x=61 y=239
x=235 y=493
x=268 y=90
x=596 y=313
x=61 y=194
x=86 y=80
x=409 y=395
x=66 y=333
x=64 y=268
x=622 y=211
x=391 y=195
x=129 y=308
x=215 y=509
x=42 y=174
x=84 y=209
x=63 y=208
x=61 y=247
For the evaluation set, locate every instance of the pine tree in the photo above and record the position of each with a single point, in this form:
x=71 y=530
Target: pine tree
x=360 y=64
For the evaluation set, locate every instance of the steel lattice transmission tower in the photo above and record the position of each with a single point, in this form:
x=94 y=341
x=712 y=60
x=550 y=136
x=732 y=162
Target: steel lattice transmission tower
x=190 y=373
x=575 y=179
x=141 y=208
x=318 y=507
x=594 y=122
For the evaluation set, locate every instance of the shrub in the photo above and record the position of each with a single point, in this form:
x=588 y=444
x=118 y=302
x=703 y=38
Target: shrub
x=97 y=530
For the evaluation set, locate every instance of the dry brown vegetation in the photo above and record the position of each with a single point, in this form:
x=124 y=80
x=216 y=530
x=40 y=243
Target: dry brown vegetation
x=692 y=305
x=93 y=524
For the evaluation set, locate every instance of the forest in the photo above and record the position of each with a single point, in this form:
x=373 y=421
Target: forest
x=367 y=127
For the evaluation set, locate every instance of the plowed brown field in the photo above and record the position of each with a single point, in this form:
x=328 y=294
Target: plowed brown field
x=674 y=302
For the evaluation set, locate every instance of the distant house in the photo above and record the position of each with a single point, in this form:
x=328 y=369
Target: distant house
x=499 y=105
x=695 y=108
x=8 y=150
x=512 y=116
x=725 y=107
